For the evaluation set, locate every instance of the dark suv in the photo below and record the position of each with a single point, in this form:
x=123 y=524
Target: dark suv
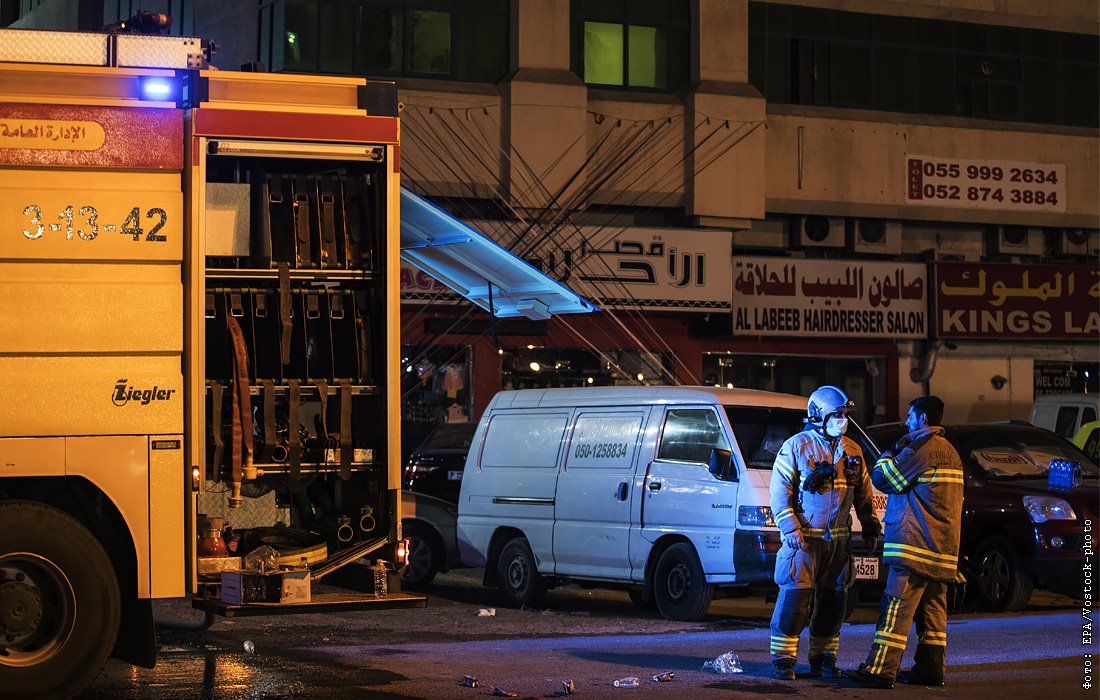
x=435 y=468
x=1017 y=532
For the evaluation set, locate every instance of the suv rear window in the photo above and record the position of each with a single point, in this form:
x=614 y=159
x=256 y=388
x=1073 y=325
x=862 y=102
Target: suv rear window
x=451 y=436
x=760 y=431
x=1018 y=452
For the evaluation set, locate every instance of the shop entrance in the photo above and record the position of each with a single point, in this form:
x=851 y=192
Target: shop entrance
x=435 y=389
x=862 y=379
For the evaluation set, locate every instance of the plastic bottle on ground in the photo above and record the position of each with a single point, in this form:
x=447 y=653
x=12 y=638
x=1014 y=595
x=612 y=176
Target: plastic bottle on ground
x=628 y=682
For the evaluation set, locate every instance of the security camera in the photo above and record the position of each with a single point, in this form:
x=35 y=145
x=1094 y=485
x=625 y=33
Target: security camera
x=998 y=382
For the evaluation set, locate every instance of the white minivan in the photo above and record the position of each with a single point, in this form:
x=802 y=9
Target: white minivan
x=661 y=490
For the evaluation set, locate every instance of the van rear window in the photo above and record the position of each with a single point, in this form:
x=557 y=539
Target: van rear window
x=761 y=431
x=523 y=440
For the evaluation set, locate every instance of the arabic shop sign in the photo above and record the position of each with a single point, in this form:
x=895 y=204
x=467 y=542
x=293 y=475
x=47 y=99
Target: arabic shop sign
x=829 y=298
x=636 y=268
x=653 y=269
x=1048 y=302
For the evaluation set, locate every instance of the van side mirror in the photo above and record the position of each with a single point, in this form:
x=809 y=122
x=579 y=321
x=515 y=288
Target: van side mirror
x=721 y=464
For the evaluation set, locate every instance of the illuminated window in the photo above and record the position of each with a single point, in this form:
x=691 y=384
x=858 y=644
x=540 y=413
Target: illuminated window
x=603 y=53
x=639 y=44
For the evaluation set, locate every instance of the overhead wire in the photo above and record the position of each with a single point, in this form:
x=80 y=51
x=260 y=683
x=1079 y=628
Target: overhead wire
x=615 y=165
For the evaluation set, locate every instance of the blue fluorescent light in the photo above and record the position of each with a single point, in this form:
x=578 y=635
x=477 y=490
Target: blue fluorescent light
x=158 y=89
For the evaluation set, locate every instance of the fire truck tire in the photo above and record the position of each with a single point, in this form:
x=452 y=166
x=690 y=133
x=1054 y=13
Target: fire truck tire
x=51 y=567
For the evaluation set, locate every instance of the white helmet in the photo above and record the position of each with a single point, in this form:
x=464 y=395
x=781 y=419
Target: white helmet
x=826 y=401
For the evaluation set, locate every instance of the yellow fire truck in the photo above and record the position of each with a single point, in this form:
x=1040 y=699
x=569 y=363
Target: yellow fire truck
x=198 y=330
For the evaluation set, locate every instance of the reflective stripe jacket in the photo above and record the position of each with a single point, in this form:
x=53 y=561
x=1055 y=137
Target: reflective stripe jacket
x=794 y=508
x=924 y=508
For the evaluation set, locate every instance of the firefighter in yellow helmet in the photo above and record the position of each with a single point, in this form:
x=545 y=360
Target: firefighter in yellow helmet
x=818 y=474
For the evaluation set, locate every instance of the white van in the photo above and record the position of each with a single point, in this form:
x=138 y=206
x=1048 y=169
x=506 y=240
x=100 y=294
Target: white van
x=1064 y=413
x=661 y=490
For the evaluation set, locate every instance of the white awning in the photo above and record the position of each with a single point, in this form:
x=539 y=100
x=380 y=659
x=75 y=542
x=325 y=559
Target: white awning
x=472 y=264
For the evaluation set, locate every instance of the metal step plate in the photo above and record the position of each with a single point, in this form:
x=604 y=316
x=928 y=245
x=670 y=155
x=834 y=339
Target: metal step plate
x=320 y=602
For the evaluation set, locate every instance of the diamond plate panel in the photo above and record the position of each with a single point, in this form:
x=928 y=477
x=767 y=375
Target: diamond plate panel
x=151 y=51
x=36 y=46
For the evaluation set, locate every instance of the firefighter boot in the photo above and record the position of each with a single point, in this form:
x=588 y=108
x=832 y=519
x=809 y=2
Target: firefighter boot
x=824 y=667
x=916 y=677
x=784 y=669
x=864 y=677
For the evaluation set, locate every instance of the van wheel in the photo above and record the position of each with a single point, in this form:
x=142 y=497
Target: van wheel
x=1000 y=585
x=59 y=602
x=518 y=575
x=680 y=585
x=425 y=556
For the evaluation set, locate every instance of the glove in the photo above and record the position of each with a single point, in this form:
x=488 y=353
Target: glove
x=794 y=540
x=852 y=464
x=815 y=482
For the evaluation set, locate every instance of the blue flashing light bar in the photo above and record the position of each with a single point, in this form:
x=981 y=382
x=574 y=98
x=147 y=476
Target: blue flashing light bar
x=470 y=263
x=159 y=89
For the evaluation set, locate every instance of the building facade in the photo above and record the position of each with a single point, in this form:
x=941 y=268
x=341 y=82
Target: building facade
x=896 y=198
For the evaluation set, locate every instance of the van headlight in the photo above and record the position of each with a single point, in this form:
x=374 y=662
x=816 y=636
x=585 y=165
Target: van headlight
x=1043 y=508
x=757 y=516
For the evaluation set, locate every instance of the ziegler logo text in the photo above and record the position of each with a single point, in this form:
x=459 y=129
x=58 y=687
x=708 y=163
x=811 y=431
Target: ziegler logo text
x=125 y=394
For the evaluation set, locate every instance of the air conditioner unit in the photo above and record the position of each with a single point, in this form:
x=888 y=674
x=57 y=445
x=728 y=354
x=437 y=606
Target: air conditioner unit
x=873 y=236
x=1076 y=241
x=817 y=232
x=1014 y=240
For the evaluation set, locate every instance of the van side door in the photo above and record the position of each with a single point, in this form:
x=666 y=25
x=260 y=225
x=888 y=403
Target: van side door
x=510 y=482
x=595 y=491
x=682 y=496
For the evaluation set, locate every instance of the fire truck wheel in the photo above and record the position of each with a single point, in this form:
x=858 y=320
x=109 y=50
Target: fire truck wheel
x=680 y=586
x=519 y=575
x=59 y=602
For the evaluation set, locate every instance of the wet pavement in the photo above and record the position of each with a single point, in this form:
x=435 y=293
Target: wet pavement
x=590 y=637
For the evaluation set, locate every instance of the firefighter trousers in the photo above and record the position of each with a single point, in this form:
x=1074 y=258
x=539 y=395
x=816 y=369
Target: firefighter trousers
x=910 y=598
x=820 y=574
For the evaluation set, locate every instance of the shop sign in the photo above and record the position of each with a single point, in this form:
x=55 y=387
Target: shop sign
x=1012 y=302
x=829 y=298
x=1053 y=378
x=637 y=268
x=985 y=184
x=656 y=269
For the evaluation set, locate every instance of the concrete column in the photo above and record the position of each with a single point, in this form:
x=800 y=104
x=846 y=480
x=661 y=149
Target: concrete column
x=724 y=131
x=544 y=105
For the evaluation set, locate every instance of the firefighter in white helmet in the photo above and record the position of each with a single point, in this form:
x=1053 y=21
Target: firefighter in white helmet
x=818 y=474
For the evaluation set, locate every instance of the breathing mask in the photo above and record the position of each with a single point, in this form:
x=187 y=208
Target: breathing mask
x=836 y=426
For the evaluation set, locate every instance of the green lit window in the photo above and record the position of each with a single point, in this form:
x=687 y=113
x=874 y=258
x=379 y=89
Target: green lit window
x=450 y=39
x=603 y=53
x=641 y=44
x=648 y=57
